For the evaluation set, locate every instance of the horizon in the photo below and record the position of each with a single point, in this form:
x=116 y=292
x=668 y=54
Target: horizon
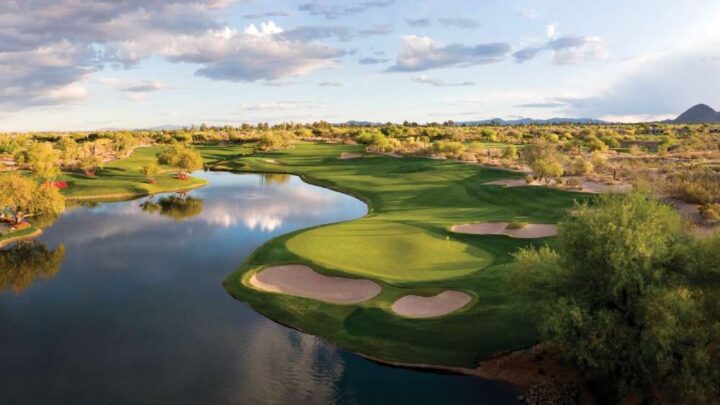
x=72 y=67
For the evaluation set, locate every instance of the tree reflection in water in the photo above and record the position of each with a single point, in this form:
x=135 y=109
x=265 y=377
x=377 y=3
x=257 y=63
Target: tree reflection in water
x=26 y=262
x=274 y=178
x=178 y=207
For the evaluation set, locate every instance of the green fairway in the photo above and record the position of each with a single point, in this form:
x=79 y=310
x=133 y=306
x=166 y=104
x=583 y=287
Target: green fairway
x=122 y=179
x=404 y=243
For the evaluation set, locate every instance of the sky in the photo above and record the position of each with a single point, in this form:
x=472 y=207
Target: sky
x=92 y=64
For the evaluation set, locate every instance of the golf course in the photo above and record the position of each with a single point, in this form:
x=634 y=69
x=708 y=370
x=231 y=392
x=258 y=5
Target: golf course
x=404 y=245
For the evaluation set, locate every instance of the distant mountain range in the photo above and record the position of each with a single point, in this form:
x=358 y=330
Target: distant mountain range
x=528 y=121
x=701 y=113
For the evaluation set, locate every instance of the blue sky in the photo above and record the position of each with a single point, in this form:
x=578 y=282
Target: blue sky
x=88 y=64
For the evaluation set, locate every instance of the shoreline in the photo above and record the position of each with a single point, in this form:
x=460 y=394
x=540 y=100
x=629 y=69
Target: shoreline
x=14 y=239
x=132 y=196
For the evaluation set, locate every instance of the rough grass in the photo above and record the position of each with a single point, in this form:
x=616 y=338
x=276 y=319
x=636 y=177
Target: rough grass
x=122 y=179
x=9 y=237
x=404 y=244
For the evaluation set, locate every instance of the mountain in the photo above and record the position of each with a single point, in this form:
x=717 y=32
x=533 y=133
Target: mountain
x=528 y=121
x=698 y=114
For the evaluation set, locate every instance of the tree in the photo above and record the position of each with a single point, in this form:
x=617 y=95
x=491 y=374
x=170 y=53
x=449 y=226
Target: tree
x=150 y=172
x=123 y=144
x=42 y=160
x=547 y=169
x=69 y=149
x=22 y=197
x=274 y=141
x=628 y=295
x=182 y=158
x=581 y=167
x=89 y=162
x=510 y=153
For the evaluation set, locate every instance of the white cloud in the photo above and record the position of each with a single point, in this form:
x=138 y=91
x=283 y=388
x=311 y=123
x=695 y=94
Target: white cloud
x=565 y=49
x=422 y=53
x=424 y=79
x=662 y=85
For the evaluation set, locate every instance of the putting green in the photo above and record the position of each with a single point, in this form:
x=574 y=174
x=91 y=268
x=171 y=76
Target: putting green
x=389 y=251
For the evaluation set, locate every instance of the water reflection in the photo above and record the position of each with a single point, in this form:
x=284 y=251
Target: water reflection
x=26 y=262
x=274 y=178
x=178 y=207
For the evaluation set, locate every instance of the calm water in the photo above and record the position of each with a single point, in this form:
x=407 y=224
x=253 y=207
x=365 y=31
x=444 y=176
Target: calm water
x=123 y=303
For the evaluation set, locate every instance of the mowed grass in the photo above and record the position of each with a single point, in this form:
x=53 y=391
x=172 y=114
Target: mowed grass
x=389 y=251
x=122 y=179
x=405 y=244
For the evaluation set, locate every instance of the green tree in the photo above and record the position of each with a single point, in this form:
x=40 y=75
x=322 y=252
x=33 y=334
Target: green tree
x=150 y=172
x=41 y=159
x=581 y=167
x=182 y=158
x=123 y=144
x=510 y=152
x=547 y=169
x=629 y=296
x=88 y=161
x=69 y=149
x=22 y=197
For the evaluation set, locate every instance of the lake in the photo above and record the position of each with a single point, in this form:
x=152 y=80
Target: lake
x=123 y=303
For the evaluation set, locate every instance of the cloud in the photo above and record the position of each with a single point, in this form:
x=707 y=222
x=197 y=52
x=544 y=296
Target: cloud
x=372 y=61
x=659 y=86
x=335 y=11
x=255 y=54
x=541 y=105
x=422 y=53
x=330 y=84
x=266 y=14
x=44 y=76
x=47 y=48
x=314 y=32
x=147 y=86
x=418 y=22
x=467 y=23
x=440 y=83
x=565 y=49
x=282 y=106
x=379 y=29
x=527 y=13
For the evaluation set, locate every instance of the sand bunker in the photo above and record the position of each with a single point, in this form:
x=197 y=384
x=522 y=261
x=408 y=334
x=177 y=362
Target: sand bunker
x=302 y=281
x=347 y=156
x=273 y=161
x=501 y=228
x=415 y=306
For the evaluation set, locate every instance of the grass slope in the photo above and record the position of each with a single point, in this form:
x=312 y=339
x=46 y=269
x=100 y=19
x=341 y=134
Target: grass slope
x=9 y=237
x=404 y=244
x=122 y=179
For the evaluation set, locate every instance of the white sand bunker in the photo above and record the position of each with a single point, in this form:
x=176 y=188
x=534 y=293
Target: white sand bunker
x=415 y=306
x=347 y=156
x=528 y=231
x=302 y=281
x=272 y=161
